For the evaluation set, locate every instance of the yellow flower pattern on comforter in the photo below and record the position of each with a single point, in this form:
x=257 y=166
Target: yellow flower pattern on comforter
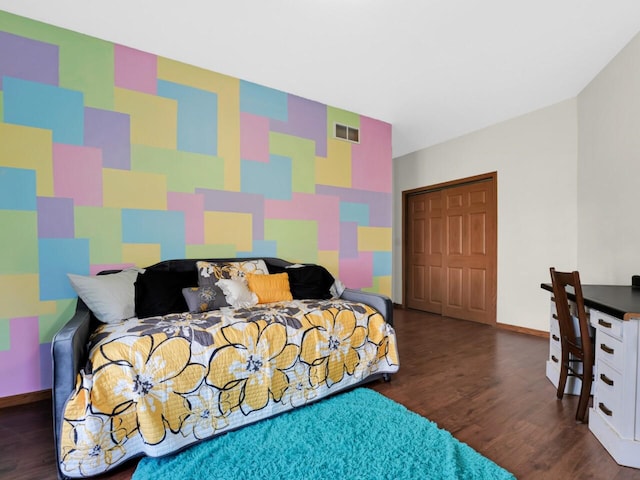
x=156 y=385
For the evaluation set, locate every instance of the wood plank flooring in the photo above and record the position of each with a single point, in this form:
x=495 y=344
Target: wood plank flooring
x=485 y=385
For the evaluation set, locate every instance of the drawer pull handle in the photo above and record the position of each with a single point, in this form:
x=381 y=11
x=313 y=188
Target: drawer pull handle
x=606 y=379
x=604 y=323
x=555 y=337
x=606 y=349
x=554 y=358
x=604 y=408
x=555 y=316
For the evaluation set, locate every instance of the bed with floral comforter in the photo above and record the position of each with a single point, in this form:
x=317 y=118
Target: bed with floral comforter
x=156 y=385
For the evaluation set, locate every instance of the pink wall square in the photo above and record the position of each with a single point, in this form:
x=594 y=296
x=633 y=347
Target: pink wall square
x=77 y=173
x=371 y=164
x=135 y=70
x=192 y=204
x=254 y=137
x=303 y=206
x=97 y=268
x=357 y=272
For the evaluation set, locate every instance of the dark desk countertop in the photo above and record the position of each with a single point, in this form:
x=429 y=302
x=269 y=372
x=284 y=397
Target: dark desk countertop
x=621 y=301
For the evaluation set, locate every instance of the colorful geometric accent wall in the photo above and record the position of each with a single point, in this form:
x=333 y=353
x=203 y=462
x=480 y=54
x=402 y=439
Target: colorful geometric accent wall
x=112 y=157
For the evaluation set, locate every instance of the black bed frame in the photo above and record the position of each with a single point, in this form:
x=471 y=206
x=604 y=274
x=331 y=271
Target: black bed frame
x=69 y=345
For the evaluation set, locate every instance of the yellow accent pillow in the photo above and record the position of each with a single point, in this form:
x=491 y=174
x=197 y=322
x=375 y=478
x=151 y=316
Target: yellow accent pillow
x=269 y=288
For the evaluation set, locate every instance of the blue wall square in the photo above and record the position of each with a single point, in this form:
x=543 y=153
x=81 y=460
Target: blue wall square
x=155 y=226
x=197 y=117
x=57 y=257
x=354 y=212
x=263 y=101
x=262 y=248
x=17 y=189
x=272 y=179
x=382 y=264
x=45 y=106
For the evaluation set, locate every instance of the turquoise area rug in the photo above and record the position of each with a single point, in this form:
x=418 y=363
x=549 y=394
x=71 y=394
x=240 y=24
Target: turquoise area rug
x=354 y=435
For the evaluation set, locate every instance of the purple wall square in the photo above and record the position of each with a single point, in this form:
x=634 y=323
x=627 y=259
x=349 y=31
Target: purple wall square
x=307 y=119
x=28 y=59
x=348 y=240
x=110 y=132
x=380 y=203
x=223 y=201
x=55 y=218
x=20 y=365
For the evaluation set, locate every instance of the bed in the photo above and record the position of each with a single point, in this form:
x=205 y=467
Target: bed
x=156 y=384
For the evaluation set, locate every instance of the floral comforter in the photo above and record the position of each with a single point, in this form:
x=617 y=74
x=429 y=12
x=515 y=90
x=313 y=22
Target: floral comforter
x=156 y=385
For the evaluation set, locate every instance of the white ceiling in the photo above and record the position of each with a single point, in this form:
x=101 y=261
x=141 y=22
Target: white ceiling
x=434 y=69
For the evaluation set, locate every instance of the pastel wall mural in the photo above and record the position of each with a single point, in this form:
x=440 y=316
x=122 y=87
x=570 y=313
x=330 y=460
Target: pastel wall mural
x=112 y=157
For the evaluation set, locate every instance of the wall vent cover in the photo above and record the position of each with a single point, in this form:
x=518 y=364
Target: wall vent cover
x=345 y=132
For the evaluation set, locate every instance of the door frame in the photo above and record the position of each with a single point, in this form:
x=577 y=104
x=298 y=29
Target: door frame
x=493 y=176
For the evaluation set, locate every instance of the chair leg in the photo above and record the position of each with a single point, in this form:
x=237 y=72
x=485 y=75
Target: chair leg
x=562 y=380
x=585 y=393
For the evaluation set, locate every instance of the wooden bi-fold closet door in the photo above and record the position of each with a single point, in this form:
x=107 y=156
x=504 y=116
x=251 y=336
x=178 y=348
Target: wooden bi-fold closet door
x=450 y=249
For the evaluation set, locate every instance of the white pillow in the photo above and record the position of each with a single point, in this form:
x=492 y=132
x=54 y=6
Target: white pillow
x=111 y=297
x=337 y=288
x=237 y=293
x=210 y=272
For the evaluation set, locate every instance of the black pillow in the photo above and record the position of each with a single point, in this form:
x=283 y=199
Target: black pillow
x=309 y=281
x=160 y=292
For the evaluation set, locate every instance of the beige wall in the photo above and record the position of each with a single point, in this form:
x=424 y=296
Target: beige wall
x=534 y=155
x=609 y=171
x=568 y=189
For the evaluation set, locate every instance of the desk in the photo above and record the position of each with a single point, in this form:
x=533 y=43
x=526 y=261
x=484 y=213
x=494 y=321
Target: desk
x=614 y=419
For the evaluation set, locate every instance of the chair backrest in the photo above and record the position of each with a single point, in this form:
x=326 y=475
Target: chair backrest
x=561 y=281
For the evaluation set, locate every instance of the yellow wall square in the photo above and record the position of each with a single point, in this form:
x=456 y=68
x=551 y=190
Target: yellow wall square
x=229 y=228
x=383 y=285
x=371 y=239
x=127 y=189
x=20 y=296
x=30 y=148
x=141 y=254
x=154 y=119
x=330 y=259
x=335 y=170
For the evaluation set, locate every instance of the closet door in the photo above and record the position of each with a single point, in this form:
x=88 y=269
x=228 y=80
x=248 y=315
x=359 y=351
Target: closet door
x=469 y=262
x=424 y=276
x=450 y=249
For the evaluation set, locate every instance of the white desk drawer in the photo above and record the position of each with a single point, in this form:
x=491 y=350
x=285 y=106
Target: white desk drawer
x=608 y=395
x=555 y=354
x=609 y=350
x=607 y=324
x=554 y=335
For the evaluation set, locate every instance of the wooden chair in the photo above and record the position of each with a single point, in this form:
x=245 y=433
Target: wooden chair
x=576 y=341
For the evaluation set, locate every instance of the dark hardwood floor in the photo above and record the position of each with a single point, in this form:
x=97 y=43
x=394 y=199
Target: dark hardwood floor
x=485 y=385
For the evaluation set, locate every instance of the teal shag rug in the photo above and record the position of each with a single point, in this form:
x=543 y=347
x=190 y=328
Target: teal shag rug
x=358 y=434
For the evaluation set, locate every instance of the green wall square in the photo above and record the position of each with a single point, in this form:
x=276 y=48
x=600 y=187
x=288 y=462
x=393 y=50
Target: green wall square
x=103 y=228
x=48 y=325
x=5 y=342
x=297 y=240
x=18 y=242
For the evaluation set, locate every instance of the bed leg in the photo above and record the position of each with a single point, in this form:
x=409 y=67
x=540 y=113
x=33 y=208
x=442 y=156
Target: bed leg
x=386 y=377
